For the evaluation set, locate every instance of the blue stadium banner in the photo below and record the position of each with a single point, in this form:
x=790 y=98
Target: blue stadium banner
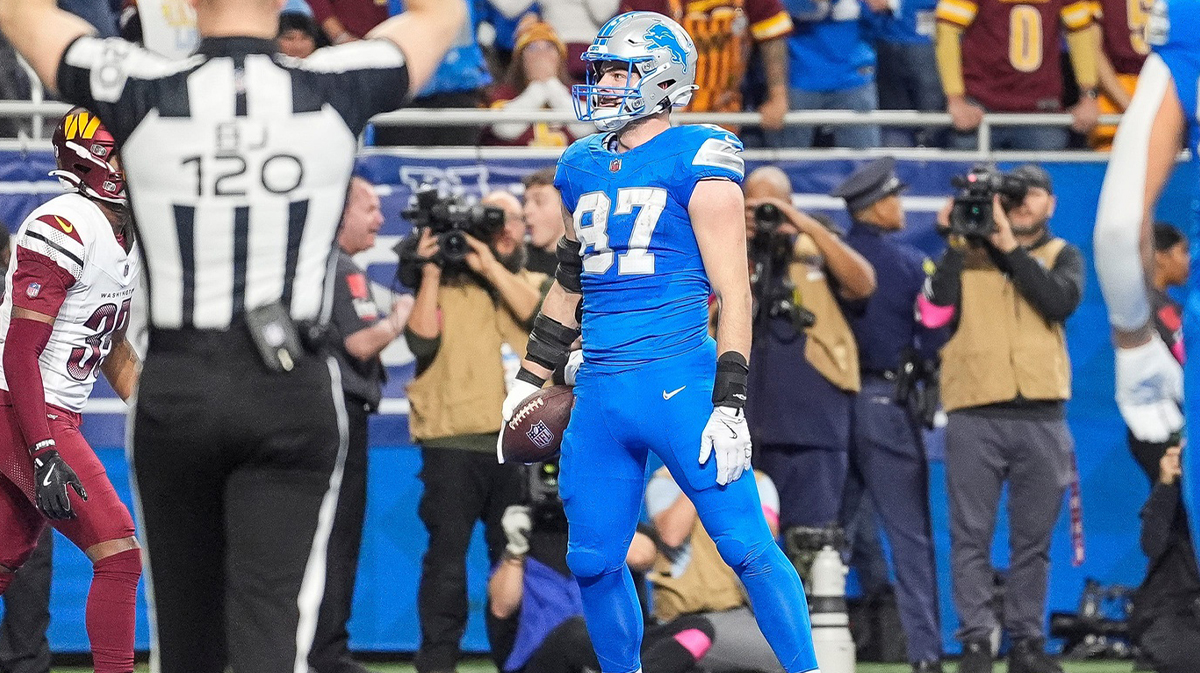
x=385 y=604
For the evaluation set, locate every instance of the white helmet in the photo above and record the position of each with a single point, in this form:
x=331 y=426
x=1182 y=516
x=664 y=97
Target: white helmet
x=664 y=57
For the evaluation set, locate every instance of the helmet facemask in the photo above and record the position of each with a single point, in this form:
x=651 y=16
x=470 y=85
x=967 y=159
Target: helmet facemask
x=653 y=47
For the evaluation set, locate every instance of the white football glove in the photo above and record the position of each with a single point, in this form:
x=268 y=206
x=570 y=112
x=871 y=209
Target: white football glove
x=727 y=435
x=571 y=369
x=1149 y=390
x=516 y=395
x=517 y=522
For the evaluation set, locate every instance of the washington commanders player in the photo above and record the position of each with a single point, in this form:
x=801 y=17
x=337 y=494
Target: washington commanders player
x=62 y=322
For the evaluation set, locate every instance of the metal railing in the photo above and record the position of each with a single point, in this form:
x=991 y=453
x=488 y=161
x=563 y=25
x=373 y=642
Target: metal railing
x=40 y=111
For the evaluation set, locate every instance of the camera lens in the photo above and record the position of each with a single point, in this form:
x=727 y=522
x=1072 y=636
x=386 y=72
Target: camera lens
x=454 y=246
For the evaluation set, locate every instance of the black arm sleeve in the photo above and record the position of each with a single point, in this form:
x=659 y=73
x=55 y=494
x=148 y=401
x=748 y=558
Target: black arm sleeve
x=1054 y=293
x=359 y=80
x=1158 y=515
x=945 y=286
x=423 y=349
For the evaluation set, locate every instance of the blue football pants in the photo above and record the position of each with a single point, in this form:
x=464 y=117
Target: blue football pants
x=663 y=407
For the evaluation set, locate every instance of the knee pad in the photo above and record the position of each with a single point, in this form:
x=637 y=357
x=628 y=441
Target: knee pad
x=587 y=563
x=123 y=566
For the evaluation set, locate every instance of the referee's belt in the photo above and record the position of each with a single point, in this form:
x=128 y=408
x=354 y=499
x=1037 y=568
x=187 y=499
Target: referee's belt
x=314 y=338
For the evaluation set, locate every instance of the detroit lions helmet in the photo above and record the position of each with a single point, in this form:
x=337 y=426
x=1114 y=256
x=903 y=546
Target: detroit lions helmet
x=658 y=49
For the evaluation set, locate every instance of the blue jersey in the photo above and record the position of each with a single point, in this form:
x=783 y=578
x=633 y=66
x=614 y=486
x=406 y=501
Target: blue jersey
x=1173 y=30
x=645 y=292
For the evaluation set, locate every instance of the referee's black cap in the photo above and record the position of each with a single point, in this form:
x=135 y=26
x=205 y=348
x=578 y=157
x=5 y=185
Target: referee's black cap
x=869 y=184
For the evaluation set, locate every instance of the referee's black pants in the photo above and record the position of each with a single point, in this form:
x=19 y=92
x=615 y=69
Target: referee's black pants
x=331 y=649
x=237 y=471
x=23 y=644
x=461 y=487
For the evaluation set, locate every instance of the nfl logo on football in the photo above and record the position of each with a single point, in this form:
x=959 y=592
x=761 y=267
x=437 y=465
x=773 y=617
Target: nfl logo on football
x=540 y=434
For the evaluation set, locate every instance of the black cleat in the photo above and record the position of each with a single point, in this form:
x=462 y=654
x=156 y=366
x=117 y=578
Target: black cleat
x=1028 y=655
x=976 y=657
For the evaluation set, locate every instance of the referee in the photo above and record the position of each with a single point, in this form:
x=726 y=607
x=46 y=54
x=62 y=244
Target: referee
x=238 y=160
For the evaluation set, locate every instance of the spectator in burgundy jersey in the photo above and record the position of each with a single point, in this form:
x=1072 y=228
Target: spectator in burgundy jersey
x=348 y=20
x=1123 y=50
x=298 y=34
x=536 y=80
x=1172 y=260
x=1003 y=56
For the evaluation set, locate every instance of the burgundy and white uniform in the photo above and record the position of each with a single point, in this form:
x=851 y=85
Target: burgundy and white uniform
x=68 y=263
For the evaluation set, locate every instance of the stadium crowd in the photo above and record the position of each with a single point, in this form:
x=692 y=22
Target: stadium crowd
x=857 y=365
x=964 y=57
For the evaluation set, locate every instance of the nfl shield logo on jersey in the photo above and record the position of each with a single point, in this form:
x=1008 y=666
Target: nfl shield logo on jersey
x=540 y=435
x=615 y=165
x=33 y=290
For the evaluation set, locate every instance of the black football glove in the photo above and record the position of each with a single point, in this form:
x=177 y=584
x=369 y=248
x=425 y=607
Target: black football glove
x=52 y=476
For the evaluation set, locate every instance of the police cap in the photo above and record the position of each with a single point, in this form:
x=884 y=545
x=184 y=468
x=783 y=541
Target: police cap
x=869 y=184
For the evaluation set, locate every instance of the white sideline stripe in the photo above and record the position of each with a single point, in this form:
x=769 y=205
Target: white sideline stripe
x=391 y=406
x=312 y=586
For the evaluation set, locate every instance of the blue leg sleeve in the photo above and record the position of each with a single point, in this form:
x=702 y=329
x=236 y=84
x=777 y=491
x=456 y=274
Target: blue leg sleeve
x=601 y=484
x=733 y=516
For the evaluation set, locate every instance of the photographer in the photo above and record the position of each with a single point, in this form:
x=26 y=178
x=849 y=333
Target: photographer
x=805 y=361
x=1166 y=609
x=473 y=302
x=1006 y=285
x=533 y=584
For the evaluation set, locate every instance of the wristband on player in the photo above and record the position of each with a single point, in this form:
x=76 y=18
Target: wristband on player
x=729 y=388
x=531 y=378
x=549 y=341
x=41 y=446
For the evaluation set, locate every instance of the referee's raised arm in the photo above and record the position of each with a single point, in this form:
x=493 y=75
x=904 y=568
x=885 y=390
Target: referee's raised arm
x=41 y=32
x=424 y=32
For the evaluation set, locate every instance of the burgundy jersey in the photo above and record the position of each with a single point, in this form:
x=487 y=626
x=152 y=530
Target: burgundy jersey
x=1011 y=50
x=1123 y=24
x=722 y=31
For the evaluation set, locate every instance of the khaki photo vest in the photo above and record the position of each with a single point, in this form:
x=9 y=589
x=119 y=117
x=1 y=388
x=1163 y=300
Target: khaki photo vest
x=1003 y=348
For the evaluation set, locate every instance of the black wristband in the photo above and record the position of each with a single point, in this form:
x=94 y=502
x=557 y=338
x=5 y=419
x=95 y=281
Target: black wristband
x=729 y=388
x=41 y=446
x=531 y=378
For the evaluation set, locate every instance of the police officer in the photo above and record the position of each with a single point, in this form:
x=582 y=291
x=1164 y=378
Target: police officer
x=887 y=455
x=360 y=333
x=805 y=373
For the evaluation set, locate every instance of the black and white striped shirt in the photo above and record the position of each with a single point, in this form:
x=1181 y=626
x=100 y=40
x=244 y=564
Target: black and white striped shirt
x=237 y=161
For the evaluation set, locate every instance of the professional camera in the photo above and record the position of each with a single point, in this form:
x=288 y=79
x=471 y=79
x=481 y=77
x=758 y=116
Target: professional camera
x=449 y=218
x=542 y=496
x=971 y=214
x=770 y=256
x=1101 y=626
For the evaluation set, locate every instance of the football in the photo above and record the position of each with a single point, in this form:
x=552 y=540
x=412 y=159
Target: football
x=535 y=431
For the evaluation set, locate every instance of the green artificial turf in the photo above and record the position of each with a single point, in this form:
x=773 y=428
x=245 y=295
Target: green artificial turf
x=478 y=666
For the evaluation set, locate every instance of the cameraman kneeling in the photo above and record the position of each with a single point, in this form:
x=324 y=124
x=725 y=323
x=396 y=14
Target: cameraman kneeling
x=1008 y=285
x=534 y=585
x=473 y=305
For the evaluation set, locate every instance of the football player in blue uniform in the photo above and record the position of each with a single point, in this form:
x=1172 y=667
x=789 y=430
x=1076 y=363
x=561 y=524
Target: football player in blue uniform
x=655 y=224
x=1160 y=120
